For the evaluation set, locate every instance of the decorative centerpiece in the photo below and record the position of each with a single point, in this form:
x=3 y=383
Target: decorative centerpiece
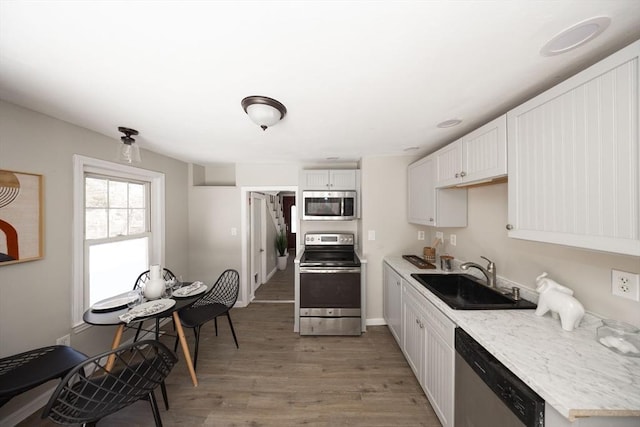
x=154 y=288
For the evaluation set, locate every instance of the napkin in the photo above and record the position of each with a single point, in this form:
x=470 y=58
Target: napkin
x=136 y=312
x=188 y=289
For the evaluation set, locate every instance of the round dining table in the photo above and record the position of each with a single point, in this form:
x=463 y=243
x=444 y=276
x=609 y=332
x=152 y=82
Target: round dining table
x=112 y=318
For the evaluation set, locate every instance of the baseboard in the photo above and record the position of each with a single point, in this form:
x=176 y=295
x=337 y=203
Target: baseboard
x=376 y=322
x=27 y=410
x=270 y=275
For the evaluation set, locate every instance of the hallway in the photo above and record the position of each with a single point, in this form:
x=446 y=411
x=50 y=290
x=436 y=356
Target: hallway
x=280 y=288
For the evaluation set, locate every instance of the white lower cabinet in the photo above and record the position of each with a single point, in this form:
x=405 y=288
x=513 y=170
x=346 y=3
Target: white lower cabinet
x=392 y=305
x=427 y=343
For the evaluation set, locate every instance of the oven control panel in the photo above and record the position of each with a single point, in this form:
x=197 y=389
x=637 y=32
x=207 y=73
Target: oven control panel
x=328 y=239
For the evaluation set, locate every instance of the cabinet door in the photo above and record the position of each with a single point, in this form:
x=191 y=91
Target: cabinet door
x=421 y=195
x=316 y=179
x=484 y=152
x=438 y=376
x=412 y=333
x=574 y=160
x=449 y=165
x=343 y=179
x=392 y=307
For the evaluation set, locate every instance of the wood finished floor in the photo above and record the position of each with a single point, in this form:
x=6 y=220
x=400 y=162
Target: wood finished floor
x=280 y=286
x=278 y=378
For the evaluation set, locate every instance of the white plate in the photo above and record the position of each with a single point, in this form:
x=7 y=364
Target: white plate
x=181 y=293
x=113 y=302
x=150 y=308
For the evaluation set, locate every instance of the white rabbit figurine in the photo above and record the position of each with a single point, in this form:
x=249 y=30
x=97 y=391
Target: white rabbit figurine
x=559 y=300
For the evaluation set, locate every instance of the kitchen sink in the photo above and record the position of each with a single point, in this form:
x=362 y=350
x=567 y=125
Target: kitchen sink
x=466 y=292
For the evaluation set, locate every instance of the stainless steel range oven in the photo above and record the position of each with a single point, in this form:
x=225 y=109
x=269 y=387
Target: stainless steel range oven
x=330 y=289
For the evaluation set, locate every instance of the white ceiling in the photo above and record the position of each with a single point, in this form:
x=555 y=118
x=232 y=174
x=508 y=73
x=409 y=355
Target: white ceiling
x=358 y=78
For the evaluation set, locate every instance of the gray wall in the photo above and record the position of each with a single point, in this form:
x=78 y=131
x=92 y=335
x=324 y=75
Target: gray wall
x=35 y=297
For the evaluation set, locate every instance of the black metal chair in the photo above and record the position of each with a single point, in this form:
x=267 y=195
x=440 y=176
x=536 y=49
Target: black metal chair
x=140 y=282
x=218 y=301
x=24 y=371
x=142 y=279
x=91 y=391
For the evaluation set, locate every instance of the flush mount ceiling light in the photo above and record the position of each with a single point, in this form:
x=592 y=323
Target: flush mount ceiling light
x=263 y=111
x=127 y=151
x=449 y=123
x=575 y=36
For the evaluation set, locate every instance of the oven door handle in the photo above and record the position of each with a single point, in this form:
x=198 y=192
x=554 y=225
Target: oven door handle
x=324 y=270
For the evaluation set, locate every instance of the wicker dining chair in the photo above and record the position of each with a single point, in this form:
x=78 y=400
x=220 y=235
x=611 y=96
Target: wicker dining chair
x=91 y=391
x=217 y=302
x=142 y=279
x=27 y=370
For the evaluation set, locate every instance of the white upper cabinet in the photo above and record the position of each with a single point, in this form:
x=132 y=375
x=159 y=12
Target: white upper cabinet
x=331 y=179
x=430 y=206
x=478 y=156
x=448 y=164
x=574 y=160
x=421 y=201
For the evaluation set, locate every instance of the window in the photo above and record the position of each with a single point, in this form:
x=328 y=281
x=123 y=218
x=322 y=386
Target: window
x=118 y=228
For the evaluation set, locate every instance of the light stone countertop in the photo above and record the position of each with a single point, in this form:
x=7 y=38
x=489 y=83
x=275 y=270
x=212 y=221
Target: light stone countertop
x=571 y=371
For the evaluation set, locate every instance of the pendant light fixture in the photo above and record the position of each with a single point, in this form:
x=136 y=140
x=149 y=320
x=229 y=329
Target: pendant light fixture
x=127 y=151
x=263 y=111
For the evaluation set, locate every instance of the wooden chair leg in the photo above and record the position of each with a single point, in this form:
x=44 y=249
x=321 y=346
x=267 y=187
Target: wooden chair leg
x=232 y=330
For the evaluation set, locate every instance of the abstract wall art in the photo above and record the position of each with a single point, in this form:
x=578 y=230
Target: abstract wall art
x=21 y=217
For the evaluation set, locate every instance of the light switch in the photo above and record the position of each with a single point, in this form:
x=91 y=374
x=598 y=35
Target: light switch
x=234 y=231
x=372 y=234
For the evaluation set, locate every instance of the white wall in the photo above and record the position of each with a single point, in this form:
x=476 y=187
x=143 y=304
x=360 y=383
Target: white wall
x=213 y=248
x=384 y=210
x=384 y=202
x=35 y=297
x=587 y=272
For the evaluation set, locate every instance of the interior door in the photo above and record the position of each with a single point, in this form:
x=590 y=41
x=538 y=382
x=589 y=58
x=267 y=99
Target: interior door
x=287 y=202
x=257 y=249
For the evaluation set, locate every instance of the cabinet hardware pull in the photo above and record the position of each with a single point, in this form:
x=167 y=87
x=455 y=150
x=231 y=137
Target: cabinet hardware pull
x=463 y=174
x=509 y=227
x=457 y=175
x=430 y=219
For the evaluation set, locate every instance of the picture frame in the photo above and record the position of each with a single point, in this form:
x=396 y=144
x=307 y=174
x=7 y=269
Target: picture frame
x=21 y=217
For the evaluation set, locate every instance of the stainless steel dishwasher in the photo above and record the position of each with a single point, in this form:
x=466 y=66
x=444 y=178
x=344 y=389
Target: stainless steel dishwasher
x=487 y=394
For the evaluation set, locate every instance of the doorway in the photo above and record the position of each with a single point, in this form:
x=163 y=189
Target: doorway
x=249 y=241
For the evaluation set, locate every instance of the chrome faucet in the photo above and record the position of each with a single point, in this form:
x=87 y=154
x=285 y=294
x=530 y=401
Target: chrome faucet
x=489 y=272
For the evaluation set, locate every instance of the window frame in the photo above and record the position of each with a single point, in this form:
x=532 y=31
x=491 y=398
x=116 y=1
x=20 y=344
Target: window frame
x=83 y=165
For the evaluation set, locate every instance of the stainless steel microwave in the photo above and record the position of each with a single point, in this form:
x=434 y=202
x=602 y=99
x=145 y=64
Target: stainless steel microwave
x=329 y=205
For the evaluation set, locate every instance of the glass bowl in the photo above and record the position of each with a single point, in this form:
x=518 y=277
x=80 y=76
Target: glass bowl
x=619 y=337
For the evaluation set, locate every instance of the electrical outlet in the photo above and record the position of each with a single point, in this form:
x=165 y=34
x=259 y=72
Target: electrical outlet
x=420 y=235
x=65 y=340
x=452 y=239
x=625 y=285
x=440 y=235
x=372 y=234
